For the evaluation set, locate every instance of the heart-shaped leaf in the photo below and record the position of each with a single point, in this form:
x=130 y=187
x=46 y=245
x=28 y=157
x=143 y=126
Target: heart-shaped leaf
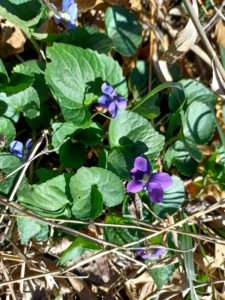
x=83 y=72
x=129 y=128
x=90 y=187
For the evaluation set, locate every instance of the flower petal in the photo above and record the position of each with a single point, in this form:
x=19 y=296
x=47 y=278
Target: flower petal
x=70 y=8
x=135 y=186
x=155 y=191
x=158 y=252
x=121 y=102
x=112 y=108
x=66 y=4
x=142 y=254
x=28 y=144
x=163 y=178
x=104 y=101
x=108 y=90
x=142 y=164
x=16 y=148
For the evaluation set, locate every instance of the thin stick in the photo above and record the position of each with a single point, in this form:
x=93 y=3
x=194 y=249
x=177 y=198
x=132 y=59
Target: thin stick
x=71 y=231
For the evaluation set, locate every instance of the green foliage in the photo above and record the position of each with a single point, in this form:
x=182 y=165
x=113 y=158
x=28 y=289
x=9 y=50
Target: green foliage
x=84 y=37
x=162 y=274
x=83 y=72
x=173 y=198
x=78 y=247
x=119 y=235
x=7 y=132
x=47 y=199
x=130 y=128
x=179 y=156
x=124 y=30
x=8 y=164
x=29 y=228
x=91 y=188
x=25 y=102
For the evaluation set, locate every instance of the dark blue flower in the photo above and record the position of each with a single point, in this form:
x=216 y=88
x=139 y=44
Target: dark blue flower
x=17 y=148
x=143 y=178
x=68 y=13
x=111 y=101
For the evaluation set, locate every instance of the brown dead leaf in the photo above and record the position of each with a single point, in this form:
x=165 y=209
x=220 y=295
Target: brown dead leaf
x=141 y=287
x=219 y=256
x=85 y=5
x=12 y=39
x=186 y=38
x=220 y=33
x=136 y=5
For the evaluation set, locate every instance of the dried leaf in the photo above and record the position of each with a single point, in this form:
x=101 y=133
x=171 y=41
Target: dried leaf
x=85 y=5
x=220 y=33
x=185 y=39
x=141 y=287
x=136 y=5
x=12 y=39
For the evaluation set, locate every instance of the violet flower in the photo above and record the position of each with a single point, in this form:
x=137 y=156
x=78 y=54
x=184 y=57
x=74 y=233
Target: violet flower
x=68 y=13
x=111 y=101
x=143 y=178
x=155 y=253
x=18 y=149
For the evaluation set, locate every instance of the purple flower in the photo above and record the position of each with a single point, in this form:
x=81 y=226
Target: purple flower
x=155 y=253
x=111 y=101
x=68 y=14
x=143 y=178
x=17 y=148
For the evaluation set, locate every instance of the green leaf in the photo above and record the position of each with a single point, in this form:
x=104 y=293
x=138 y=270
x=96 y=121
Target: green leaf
x=91 y=186
x=178 y=155
x=199 y=123
x=26 y=102
x=129 y=128
x=29 y=228
x=196 y=91
x=120 y=161
x=72 y=155
x=163 y=274
x=18 y=83
x=18 y=2
x=173 y=198
x=176 y=98
x=61 y=131
x=48 y=199
x=90 y=134
x=29 y=67
x=4 y=78
x=186 y=244
x=76 y=249
x=154 y=92
x=84 y=38
x=117 y=235
x=138 y=79
x=8 y=163
x=7 y=132
x=24 y=16
x=83 y=72
x=124 y=29
x=222 y=53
